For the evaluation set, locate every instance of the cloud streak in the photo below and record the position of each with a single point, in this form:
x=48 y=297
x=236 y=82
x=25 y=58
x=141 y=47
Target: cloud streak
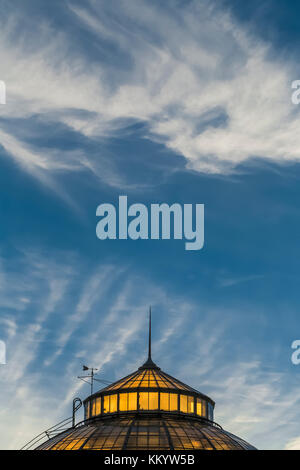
x=170 y=73
x=101 y=319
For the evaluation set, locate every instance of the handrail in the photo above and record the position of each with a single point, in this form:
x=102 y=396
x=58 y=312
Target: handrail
x=62 y=426
x=58 y=428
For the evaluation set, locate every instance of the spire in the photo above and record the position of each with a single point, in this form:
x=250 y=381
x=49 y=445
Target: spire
x=149 y=364
x=149 y=346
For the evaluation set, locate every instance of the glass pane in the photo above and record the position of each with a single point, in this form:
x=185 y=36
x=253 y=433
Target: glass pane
x=123 y=402
x=173 y=402
x=132 y=401
x=183 y=403
x=98 y=406
x=164 y=401
x=143 y=400
x=199 y=407
x=106 y=405
x=153 y=401
x=113 y=403
x=190 y=404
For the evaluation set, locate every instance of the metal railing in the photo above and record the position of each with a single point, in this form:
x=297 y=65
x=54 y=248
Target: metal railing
x=58 y=428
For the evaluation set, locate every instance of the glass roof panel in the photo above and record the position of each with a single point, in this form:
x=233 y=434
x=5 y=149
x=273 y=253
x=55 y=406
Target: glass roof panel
x=146 y=433
x=154 y=378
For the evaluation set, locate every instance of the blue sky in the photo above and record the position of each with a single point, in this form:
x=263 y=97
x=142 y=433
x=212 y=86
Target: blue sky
x=185 y=102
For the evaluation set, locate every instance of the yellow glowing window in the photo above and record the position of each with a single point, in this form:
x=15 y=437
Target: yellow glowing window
x=162 y=384
x=113 y=406
x=199 y=407
x=164 y=401
x=190 y=404
x=143 y=401
x=132 y=401
x=123 y=405
x=128 y=401
x=146 y=380
x=93 y=407
x=110 y=403
x=75 y=444
x=98 y=406
x=148 y=400
x=173 y=402
x=168 y=401
x=106 y=404
x=183 y=403
x=153 y=401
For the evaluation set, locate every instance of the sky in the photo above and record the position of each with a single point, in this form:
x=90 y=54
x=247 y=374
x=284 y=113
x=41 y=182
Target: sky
x=175 y=101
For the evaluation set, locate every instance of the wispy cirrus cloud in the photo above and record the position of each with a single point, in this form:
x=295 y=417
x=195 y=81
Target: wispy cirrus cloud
x=101 y=320
x=152 y=64
x=99 y=317
x=229 y=281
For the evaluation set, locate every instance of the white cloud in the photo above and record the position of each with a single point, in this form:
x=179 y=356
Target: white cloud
x=106 y=321
x=181 y=75
x=229 y=281
x=293 y=444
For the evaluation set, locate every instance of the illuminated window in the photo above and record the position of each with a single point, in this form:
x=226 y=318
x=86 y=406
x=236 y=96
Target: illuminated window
x=132 y=401
x=168 y=401
x=183 y=403
x=153 y=401
x=113 y=403
x=98 y=406
x=164 y=401
x=186 y=404
x=93 y=407
x=203 y=409
x=199 y=407
x=148 y=401
x=144 y=401
x=173 y=402
x=128 y=401
x=106 y=404
x=110 y=403
x=123 y=405
x=190 y=404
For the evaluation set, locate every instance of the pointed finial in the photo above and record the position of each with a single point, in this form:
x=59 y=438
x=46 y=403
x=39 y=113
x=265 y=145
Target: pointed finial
x=149 y=364
x=149 y=347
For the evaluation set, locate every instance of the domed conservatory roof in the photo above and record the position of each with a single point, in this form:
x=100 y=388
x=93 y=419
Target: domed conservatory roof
x=147 y=410
x=146 y=433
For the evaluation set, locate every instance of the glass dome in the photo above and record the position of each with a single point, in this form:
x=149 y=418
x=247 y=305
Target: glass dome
x=135 y=432
x=149 y=389
x=147 y=410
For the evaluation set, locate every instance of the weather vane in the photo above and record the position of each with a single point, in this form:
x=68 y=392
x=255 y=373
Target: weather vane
x=90 y=378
